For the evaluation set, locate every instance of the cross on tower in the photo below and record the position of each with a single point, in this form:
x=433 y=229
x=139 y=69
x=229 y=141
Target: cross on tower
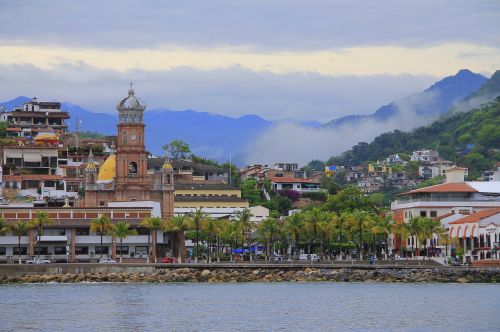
x=131 y=85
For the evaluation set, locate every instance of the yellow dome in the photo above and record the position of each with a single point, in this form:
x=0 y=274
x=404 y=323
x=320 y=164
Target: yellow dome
x=90 y=165
x=167 y=165
x=107 y=172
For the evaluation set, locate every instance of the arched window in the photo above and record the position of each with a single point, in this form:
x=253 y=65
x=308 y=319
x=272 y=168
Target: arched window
x=132 y=169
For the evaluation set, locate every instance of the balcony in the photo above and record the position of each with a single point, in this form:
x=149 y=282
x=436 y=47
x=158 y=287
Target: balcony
x=444 y=202
x=54 y=238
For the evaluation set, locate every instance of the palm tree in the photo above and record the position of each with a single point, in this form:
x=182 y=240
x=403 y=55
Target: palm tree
x=313 y=218
x=197 y=219
x=210 y=227
x=340 y=222
x=177 y=225
x=243 y=220
x=294 y=225
x=3 y=226
x=42 y=219
x=414 y=229
x=19 y=228
x=153 y=224
x=232 y=235
x=101 y=225
x=444 y=237
x=385 y=226
x=429 y=228
x=361 y=220
x=122 y=230
x=267 y=231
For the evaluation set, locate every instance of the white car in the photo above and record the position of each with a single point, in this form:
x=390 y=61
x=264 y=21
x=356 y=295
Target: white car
x=309 y=257
x=37 y=261
x=107 y=261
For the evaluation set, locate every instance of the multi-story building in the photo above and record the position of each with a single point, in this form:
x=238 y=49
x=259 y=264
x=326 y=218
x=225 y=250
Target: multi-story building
x=438 y=200
x=424 y=155
x=297 y=184
x=68 y=237
x=35 y=117
x=478 y=234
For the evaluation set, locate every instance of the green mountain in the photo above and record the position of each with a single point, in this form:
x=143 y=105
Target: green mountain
x=470 y=139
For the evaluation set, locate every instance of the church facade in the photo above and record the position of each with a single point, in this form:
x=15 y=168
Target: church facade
x=124 y=177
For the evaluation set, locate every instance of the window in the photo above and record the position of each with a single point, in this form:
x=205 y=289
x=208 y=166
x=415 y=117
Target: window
x=434 y=214
x=423 y=213
x=41 y=250
x=101 y=250
x=122 y=250
x=59 y=250
x=24 y=250
x=82 y=231
x=102 y=203
x=140 y=250
x=3 y=251
x=82 y=250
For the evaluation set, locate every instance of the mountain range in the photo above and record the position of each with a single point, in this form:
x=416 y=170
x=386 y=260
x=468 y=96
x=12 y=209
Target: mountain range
x=432 y=102
x=216 y=136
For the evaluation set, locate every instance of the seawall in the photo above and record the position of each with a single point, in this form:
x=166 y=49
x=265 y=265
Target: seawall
x=162 y=273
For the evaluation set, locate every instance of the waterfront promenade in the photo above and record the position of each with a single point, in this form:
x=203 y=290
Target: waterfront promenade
x=244 y=272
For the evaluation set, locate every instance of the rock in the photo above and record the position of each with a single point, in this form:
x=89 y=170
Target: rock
x=205 y=273
x=255 y=272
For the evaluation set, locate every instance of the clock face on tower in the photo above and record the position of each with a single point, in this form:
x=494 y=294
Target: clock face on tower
x=132 y=137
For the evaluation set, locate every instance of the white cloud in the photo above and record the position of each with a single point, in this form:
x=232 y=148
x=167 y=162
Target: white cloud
x=289 y=142
x=233 y=91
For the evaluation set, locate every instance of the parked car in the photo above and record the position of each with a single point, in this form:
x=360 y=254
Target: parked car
x=309 y=257
x=169 y=260
x=107 y=261
x=36 y=260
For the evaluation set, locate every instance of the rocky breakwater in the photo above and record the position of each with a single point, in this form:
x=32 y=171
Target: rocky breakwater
x=461 y=275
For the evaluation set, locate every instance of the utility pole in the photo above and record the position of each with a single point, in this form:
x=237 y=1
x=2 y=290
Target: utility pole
x=230 y=168
x=76 y=134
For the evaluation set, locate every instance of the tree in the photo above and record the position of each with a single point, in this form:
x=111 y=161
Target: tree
x=429 y=227
x=101 y=225
x=349 y=199
x=279 y=204
x=414 y=229
x=177 y=225
x=3 y=226
x=313 y=218
x=231 y=234
x=243 y=219
x=362 y=221
x=385 y=226
x=197 y=219
x=267 y=231
x=153 y=224
x=42 y=219
x=250 y=191
x=294 y=224
x=210 y=227
x=177 y=149
x=122 y=230
x=19 y=228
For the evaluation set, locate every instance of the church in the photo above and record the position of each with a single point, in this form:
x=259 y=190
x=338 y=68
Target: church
x=123 y=177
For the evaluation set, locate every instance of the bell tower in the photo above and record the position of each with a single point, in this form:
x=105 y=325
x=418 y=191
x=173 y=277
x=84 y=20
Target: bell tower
x=131 y=156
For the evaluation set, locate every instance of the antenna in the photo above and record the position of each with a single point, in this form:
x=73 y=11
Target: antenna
x=76 y=134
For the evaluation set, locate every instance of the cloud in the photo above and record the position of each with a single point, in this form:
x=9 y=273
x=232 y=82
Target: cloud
x=437 y=60
x=269 y=25
x=290 y=142
x=234 y=91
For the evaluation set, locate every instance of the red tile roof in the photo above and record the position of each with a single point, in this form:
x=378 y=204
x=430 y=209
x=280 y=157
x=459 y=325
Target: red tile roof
x=444 y=188
x=475 y=217
x=283 y=179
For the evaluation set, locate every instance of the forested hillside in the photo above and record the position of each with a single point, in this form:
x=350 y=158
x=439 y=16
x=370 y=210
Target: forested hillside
x=470 y=139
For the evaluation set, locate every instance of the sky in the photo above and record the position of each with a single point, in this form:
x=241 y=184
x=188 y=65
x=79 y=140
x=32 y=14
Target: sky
x=282 y=60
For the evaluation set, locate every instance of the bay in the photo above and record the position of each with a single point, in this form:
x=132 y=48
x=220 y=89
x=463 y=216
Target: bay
x=250 y=307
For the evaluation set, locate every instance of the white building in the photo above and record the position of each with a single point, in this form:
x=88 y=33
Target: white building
x=297 y=184
x=424 y=155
